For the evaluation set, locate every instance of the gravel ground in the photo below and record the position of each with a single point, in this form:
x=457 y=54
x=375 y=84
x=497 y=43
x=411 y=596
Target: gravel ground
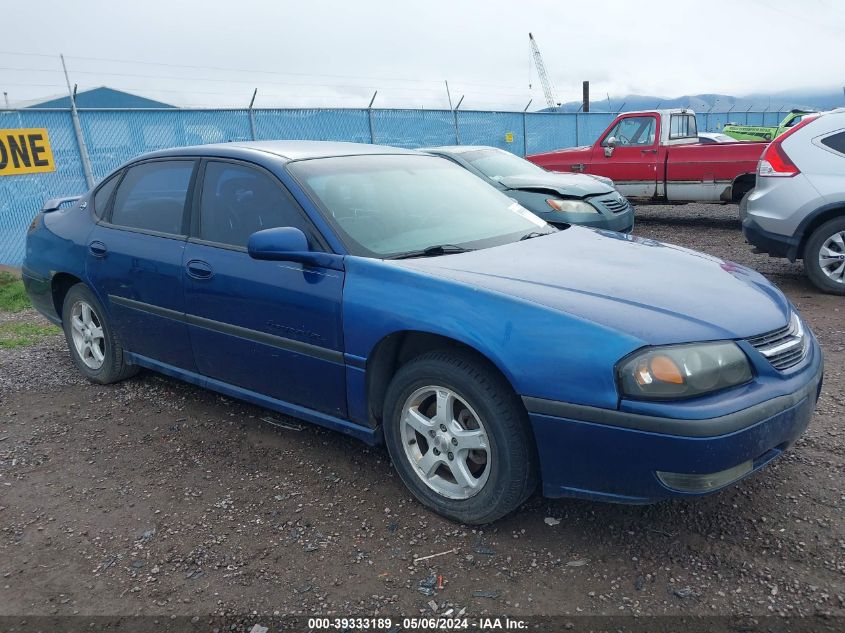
x=155 y=497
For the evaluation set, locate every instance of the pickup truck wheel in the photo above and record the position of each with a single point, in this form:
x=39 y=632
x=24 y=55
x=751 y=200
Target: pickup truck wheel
x=824 y=257
x=93 y=345
x=459 y=437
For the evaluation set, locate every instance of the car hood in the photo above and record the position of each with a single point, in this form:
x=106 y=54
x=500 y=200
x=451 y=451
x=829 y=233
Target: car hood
x=566 y=184
x=656 y=292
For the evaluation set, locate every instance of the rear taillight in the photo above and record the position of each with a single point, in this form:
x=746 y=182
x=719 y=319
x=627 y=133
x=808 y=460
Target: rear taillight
x=775 y=162
x=36 y=221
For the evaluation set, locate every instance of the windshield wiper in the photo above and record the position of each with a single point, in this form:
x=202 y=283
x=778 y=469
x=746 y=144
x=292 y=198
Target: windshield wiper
x=433 y=251
x=533 y=234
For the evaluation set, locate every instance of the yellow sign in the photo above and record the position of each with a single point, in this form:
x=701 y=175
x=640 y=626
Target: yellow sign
x=25 y=151
x=508 y=137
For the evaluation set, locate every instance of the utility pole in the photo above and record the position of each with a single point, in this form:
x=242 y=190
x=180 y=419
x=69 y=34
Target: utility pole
x=448 y=95
x=585 y=96
x=6 y=98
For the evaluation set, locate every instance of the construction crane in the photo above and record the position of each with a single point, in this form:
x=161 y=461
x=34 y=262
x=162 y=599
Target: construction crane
x=548 y=87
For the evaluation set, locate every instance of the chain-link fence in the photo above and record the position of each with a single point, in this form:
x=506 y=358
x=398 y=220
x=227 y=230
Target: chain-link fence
x=115 y=136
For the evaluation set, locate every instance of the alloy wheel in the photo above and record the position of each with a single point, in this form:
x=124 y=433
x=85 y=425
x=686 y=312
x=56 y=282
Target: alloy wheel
x=445 y=442
x=87 y=334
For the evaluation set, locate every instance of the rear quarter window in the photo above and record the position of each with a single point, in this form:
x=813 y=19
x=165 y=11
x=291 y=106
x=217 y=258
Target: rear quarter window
x=836 y=142
x=682 y=126
x=103 y=195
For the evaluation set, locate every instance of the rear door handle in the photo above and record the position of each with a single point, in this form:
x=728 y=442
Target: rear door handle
x=98 y=249
x=199 y=269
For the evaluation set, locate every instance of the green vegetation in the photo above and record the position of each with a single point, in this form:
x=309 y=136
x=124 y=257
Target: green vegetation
x=13 y=334
x=12 y=295
x=13 y=299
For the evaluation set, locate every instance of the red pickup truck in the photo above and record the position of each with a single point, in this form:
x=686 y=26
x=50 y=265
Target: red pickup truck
x=655 y=156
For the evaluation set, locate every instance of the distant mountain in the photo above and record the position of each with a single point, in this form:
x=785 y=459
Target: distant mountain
x=809 y=100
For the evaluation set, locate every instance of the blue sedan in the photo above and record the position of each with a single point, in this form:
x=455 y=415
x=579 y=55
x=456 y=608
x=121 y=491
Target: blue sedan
x=398 y=298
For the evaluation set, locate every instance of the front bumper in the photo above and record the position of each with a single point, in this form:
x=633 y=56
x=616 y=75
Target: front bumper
x=614 y=456
x=619 y=222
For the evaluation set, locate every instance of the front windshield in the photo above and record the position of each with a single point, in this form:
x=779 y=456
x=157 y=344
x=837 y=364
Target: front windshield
x=497 y=164
x=389 y=205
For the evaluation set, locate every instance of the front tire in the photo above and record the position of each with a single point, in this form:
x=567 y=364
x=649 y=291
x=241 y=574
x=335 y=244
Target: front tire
x=93 y=344
x=824 y=257
x=459 y=437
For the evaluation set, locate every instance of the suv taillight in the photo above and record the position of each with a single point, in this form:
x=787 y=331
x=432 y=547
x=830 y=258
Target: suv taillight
x=775 y=162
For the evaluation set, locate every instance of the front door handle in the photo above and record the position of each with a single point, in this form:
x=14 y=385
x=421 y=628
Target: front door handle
x=199 y=269
x=98 y=249
x=649 y=151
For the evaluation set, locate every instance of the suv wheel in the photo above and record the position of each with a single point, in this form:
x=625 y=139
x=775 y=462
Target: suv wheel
x=459 y=437
x=824 y=257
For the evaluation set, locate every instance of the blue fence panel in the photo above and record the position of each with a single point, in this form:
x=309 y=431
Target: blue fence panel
x=21 y=196
x=114 y=137
x=717 y=120
x=313 y=125
x=591 y=125
x=754 y=118
x=414 y=128
x=492 y=128
x=546 y=131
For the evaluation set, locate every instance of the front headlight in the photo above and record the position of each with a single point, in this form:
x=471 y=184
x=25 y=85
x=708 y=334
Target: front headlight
x=682 y=371
x=571 y=206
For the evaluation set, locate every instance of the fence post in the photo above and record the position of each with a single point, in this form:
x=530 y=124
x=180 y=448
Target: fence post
x=525 y=129
x=455 y=113
x=576 y=130
x=77 y=129
x=370 y=118
x=251 y=116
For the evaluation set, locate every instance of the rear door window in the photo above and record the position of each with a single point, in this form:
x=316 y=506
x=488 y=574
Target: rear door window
x=152 y=197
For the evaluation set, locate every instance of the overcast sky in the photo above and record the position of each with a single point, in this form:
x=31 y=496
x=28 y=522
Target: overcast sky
x=334 y=52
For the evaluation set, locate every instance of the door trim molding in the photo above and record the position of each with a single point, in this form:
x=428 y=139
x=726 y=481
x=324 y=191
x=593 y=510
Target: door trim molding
x=281 y=342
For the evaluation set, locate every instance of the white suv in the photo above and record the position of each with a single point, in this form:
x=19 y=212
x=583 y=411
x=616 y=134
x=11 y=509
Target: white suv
x=797 y=208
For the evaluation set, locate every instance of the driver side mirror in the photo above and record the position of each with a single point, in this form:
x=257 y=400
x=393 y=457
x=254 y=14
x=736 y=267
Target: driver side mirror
x=609 y=145
x=289 y=244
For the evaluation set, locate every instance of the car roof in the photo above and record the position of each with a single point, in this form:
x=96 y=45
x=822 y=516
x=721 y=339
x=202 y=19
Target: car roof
x=458 y=149
x=286 y=150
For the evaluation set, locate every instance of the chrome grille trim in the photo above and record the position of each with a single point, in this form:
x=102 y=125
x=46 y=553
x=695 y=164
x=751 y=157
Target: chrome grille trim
x=784 y=347
x=615 y=203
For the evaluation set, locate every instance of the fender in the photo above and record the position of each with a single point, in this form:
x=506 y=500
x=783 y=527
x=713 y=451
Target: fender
x=799 y=236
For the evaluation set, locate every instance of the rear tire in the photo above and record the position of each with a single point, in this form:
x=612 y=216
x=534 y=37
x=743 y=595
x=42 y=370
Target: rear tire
x=93 y=344
x=824 y=257
x=459 y=437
